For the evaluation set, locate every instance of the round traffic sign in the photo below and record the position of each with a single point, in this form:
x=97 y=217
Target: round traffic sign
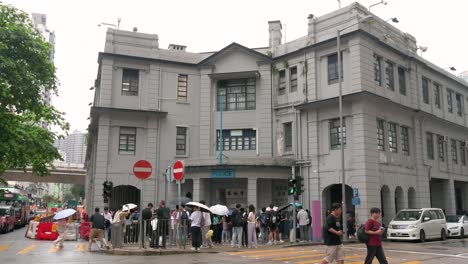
x=178 y=170
x=142 y=169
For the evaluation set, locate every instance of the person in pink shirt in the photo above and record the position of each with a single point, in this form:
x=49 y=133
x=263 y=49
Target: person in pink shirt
x=375 y=230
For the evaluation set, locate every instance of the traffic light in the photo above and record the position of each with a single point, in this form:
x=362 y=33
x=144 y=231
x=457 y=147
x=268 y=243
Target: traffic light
x=107 y=190
x=299 y=185
x=291 y=186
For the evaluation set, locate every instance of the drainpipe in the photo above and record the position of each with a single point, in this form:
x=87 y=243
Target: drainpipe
x=271 y=113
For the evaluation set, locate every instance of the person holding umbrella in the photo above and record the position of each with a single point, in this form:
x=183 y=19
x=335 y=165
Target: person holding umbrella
x=62 y=218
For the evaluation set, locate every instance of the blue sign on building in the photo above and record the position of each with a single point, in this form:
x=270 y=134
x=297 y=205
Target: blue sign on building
x=222 y=173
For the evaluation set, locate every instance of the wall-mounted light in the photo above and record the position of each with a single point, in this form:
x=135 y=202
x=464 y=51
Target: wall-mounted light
x=90 y=104
x=381 y=2
x=91 y=88
x=451 y=68
x=393 y=19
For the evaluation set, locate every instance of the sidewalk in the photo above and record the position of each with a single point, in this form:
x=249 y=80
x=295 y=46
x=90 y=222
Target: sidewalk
x=129 y=250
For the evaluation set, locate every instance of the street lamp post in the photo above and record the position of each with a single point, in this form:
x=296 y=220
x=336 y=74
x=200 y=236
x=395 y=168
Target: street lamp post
x=340 y=102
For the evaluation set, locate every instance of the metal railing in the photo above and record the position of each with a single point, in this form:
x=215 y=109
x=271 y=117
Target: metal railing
x=161 y=233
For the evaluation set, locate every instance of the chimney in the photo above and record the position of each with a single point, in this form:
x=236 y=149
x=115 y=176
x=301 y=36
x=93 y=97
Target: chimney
x=274 y=28
x=311 y=28
x=177 y=47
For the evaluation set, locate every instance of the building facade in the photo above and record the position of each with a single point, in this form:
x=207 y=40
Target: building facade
x=406 y=124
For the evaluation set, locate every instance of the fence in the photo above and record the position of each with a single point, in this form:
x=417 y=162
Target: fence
x=155 y=233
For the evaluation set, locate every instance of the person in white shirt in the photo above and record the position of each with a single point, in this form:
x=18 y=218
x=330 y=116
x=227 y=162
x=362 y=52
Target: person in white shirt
x=302 y=218
x=108 y=223
x=197 y=221
x=251 y=232
x=205 y=228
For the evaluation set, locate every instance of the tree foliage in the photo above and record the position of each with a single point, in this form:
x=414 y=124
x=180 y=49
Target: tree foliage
x=78 y=191
x=26 y=72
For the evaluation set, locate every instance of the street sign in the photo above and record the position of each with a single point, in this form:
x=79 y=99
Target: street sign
x=355 y=192
x=178 y=170
x=356 y=201
x=142 y=169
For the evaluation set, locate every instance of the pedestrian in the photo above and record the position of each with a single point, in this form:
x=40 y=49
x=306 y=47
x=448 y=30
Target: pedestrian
x=332 y=236
x=118 y=225
x=61 y=227
x=227 y=228
x=217 y=229
x=302 y=218
x=272 y=222
x=244 y=227
x=251 y=233
x=97 y=229
x=183 y=217
x=309 y=226
x=108 y=223
x=195 y=228
x=174 y=223
x=263 y=225
x=351 y=224
x=146 y=215
x=163 y=214
x=236 y=227
x=207 y=242
x=374 y=245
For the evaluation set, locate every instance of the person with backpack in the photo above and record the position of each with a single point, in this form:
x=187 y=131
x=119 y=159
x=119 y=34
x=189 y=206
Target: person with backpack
x=263 y=225
x=374 y=230
x=236 y=227
x=332 y=236
x=182 y=226
x=272 y=222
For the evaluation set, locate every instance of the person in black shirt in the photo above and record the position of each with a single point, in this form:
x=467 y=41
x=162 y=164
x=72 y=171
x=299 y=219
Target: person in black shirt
x=332 y=236
x=146 y=215
x=97 y=229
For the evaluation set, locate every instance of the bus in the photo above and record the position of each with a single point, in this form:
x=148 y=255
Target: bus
x=20 y=203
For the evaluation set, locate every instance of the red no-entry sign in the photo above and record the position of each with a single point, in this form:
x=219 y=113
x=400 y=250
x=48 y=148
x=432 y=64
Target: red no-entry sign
x=178 y=170
x=142 y=169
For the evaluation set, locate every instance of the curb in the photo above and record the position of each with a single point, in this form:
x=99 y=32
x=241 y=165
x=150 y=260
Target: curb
x=150 y=252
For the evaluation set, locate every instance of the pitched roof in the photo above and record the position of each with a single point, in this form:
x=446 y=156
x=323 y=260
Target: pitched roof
x=233 y=46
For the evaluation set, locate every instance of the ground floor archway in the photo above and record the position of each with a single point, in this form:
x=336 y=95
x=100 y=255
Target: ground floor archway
x=411 y=198
x=399 y=199
x=124 y=194
x=333 y=194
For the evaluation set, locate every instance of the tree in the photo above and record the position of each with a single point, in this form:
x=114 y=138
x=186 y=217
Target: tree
x=49 y=199
x=78 y=191
x=26 y=71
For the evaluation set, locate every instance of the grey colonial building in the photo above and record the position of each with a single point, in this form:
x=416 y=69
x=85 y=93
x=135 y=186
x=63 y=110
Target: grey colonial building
x=406 y=124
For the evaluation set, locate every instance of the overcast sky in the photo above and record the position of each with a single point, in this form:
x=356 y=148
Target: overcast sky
x=204 y=25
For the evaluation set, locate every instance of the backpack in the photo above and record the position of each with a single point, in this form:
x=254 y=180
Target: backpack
x=235 y=218
x=362 y=236
x=243 y=220
x=166 y=213
x=263 y=219
x=184 y=215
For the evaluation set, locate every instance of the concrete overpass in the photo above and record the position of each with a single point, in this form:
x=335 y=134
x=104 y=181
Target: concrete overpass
x=69 y=175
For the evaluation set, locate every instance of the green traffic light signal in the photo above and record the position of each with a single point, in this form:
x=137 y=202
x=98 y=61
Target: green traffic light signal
x=291 y=190
x=292 y=186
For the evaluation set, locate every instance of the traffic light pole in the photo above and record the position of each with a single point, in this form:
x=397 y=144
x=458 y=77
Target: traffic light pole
x=293 y=233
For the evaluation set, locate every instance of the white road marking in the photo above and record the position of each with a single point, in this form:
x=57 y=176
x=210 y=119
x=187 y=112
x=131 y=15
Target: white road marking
x=418 y=252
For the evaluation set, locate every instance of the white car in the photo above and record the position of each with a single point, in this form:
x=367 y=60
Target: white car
x=418 y=224
x=457 y=225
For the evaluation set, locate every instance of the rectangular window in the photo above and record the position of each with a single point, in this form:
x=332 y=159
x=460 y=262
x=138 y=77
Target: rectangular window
x=181 y=141
x=288 y=137
x=380 y=134
x=392 y=137
x=462 y=153
x=130 y=80
x=437 y=95
x=390 y=77
x=453 y=143
x=293 y=79
x=425 y=90
x=402 y=80
x=335 y=133
x=378 y=70
x=430 y=145
x=440 y=147
x=127 y=140
x=182 y=82
x=405 y=140
x=449 y=101
x=235 y=95
x=458 y=98
x=238 y=139
x=282 y=82
x=333 y=67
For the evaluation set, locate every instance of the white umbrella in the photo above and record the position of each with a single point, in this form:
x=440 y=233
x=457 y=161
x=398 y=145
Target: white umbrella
x=219 y=209
x=202 y=207
x=129 y=206
x=64 y=214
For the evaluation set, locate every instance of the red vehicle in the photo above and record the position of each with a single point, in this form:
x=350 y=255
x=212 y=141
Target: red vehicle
x=19 y=203
x=7 y=219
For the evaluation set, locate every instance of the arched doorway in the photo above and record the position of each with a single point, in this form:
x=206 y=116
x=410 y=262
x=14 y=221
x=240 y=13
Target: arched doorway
x=399 y=202
x=411 y=198
x=124 y=194
x=385 y=202
x=332 y=194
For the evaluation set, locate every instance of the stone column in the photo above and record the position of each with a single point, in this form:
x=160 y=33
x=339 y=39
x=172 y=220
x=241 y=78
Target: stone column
x=196 y=189
x=252 y=191
x=449 y=193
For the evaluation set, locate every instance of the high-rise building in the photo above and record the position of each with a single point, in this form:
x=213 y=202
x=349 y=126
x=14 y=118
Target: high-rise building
x=40 y=23
x=73 y=147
